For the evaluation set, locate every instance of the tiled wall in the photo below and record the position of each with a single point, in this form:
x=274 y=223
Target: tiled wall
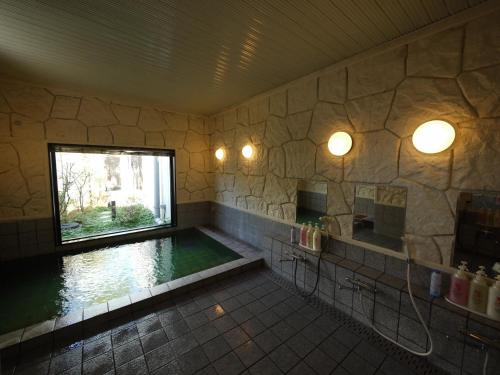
x=390 y=307
x=31 y=237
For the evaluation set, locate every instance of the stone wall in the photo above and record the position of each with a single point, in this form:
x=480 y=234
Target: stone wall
x=31 y=116
x=453 y=75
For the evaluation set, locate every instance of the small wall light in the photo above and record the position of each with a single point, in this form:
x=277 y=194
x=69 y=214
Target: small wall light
x=340 y=143
x=433 y=136
x=219 y=154
x=247 y=151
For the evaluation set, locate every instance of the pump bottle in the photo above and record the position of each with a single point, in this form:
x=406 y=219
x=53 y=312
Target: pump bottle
x=493 y=309
x=303 y=235
x=478 y=294
x=316 y=239
x=460 y=284
x=310 y=233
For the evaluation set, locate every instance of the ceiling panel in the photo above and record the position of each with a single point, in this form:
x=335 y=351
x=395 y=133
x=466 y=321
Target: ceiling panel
x=195 y=55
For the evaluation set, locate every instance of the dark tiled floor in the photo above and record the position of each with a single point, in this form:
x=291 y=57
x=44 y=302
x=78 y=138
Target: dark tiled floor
x=250 y=324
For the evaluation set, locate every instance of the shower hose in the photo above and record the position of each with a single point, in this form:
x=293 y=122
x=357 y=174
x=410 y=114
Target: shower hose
x=410 y=293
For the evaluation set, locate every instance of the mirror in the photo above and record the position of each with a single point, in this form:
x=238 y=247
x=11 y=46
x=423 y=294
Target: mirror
x=311 y=201
x=477 y=238
x=379 y=215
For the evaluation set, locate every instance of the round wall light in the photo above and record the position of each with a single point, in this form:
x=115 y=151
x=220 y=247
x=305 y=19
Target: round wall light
x=219 y=154
x=433 y=136
x=340 y=143
x=247 y=151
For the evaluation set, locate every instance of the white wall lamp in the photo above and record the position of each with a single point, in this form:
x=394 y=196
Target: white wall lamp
x=433 y=136
x=340 y=143
x=220 y=153
x=247 y=151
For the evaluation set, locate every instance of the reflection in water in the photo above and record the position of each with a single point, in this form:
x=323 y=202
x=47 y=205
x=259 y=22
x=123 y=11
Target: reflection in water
x=100 y=276
x=41 y=289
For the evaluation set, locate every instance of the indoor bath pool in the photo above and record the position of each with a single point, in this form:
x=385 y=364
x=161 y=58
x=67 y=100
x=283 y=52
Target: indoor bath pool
x=39 y=290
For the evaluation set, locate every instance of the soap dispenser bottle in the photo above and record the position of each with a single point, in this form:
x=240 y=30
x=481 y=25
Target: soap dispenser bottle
x=303 y=235
x=493 y=309
x=316 y=239
x=478 y=294
x=310 y=234
x=460 y=284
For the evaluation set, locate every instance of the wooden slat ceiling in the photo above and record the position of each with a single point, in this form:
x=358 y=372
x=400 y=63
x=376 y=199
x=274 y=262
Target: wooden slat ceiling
x=196 y=55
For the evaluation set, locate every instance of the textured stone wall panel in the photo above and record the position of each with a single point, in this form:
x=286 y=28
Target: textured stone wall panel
x=333 y=86
x=373 y=159
x=436 y=56
x=482 y=90
x=35 y=102
x=302 y=96
x=423 y=99
x=327 y=119
x=65 y=107
x=125 y=114
x=66 y=130
x=482 y=42
x=370 y=113
x=377 y=74
x=431 y=170
x=476 y=163
x=95 y=112
x=277 y=104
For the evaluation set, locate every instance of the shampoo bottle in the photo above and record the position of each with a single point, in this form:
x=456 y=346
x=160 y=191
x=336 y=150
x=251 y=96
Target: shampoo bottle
x=478 y=294
x=303 y=235
x=310 y=234
x=493 y=309
x=460 y=283
x=317 y=239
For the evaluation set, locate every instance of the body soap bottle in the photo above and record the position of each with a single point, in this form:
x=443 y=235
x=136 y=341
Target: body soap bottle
x=460 y=283
x=317 y=239
x=303 y=235
x=493 y=309
x=478 y=294
x=310 y=234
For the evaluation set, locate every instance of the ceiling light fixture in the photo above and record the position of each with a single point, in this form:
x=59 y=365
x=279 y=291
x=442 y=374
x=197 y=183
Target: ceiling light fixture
x=433 y=136
x=340 y=143
x=247 y=151
x=219 y=154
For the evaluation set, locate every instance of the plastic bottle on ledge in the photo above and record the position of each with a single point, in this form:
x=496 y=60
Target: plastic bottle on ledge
x=460 y=284
x=435 y=287
x=316 y=239
x=310 y=233
x=493 y=309
x=303 y=235
x=292 y=234
x=478 y=294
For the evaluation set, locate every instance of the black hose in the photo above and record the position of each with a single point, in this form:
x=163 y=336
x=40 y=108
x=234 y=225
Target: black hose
x=317 y=277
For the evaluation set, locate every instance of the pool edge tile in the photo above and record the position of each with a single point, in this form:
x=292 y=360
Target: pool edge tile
x=94 y=311
x=37 y=330
x=67 y=320
x=11 y=338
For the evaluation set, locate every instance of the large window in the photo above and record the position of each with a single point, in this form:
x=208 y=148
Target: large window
x=103 y=191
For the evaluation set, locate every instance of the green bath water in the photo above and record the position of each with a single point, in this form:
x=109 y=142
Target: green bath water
x=32 y=292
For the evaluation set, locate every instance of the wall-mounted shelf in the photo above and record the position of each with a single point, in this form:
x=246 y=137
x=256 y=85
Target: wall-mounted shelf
x=470 y=310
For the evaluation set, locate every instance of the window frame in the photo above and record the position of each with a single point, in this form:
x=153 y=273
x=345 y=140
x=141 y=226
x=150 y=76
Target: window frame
x=53 y=148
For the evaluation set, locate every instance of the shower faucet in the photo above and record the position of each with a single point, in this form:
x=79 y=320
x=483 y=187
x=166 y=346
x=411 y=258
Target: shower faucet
x=294 y=257
x=358 y=285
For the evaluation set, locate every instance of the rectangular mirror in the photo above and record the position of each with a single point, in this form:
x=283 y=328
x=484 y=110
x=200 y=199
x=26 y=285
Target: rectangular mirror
x=379 y=215
x=477 y=238
x=311 y=201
